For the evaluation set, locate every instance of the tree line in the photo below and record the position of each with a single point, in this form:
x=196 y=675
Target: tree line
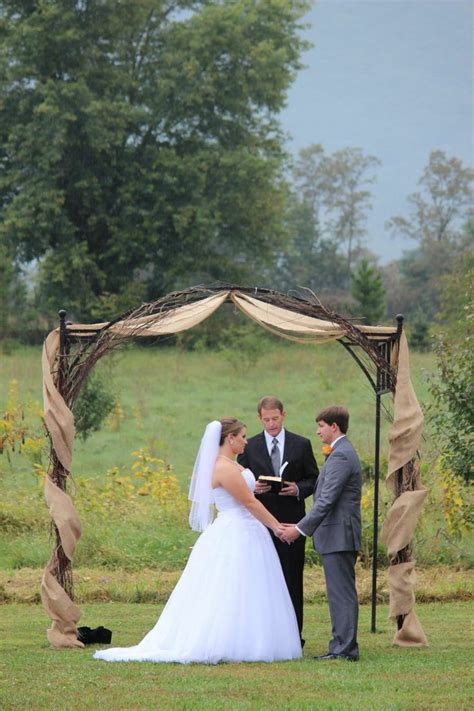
x=140 y=152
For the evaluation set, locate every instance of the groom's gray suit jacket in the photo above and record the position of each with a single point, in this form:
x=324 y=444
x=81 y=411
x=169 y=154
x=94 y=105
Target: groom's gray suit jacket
x=334 y=521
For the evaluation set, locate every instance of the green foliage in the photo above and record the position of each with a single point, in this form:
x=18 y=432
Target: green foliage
x=453 y=411
x=348 y=175
x=140 y=148
x=439 y=219
x=16 y=314
x=441 y=207
x=9 y=346
x=95 y=402
x=243 y=345
x=127 y=500
x=452 y=391
x=326 y=219
x=310 y=260
x=419 y=331
x=368 y=292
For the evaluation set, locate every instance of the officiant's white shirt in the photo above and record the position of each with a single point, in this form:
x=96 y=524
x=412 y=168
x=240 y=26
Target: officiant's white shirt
x=281 y=446
x=281 y=442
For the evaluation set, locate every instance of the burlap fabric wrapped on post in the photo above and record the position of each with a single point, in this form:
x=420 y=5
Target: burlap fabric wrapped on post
x=60 y=423
x=402 y=518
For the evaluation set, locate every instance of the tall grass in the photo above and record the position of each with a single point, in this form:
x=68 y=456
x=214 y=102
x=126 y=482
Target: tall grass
x=165 y=397
x=168 y=395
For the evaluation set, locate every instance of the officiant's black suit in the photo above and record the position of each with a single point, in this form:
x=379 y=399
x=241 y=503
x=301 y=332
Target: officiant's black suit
x=303 y=470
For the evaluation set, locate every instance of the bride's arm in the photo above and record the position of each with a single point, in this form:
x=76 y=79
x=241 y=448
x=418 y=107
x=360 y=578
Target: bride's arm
x=227 y=476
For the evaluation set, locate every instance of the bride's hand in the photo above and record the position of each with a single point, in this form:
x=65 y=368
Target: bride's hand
x=278 y=530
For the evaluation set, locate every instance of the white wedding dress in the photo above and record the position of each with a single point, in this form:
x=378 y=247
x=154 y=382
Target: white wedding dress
x=231 y=603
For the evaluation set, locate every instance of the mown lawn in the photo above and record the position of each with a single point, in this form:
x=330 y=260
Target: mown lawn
x=33 y=676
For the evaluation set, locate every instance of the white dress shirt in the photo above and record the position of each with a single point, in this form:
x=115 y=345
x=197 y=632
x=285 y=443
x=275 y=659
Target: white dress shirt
x=281 y=442
x=280 y=437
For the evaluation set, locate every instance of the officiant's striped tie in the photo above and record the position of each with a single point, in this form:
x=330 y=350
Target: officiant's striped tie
x=275 y=457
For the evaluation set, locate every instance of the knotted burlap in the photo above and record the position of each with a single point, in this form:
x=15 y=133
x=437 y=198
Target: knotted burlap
x=402 y=579
x=405 y=433
x=60 y=423
x=401 y=520
x=61 y=609
x=57 y=416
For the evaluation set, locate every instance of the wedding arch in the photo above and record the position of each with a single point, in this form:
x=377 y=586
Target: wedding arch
x=71 y=351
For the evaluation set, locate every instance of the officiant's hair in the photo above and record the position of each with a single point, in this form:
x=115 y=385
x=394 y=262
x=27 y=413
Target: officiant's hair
x=336 y=414
x=230 y=425
x=269 y=402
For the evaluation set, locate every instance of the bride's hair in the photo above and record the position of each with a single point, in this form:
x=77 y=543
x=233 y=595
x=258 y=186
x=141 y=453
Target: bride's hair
x=230 y=425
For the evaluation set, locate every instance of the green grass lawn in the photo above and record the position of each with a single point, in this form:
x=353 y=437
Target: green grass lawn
x=33 y=676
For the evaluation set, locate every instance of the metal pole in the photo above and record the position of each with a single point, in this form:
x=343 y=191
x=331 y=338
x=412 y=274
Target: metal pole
x=62 y=350
x=376 y=506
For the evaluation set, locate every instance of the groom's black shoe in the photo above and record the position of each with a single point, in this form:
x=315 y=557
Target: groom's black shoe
x=332 y=657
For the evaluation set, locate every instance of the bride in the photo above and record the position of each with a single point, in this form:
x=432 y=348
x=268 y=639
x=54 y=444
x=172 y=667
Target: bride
x=231 y=603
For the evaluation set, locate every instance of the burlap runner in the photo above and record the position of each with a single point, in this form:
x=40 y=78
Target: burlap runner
x=57 y=416
x=405 y=433
x=60 y=423
x=61 y=609
x=401 y=520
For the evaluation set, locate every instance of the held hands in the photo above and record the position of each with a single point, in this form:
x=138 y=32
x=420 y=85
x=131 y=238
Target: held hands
x=288 y=532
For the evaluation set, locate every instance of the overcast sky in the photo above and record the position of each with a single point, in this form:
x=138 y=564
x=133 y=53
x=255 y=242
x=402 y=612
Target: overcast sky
x=395 y=78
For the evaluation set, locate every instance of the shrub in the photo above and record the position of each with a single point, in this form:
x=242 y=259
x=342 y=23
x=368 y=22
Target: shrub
x=95 y=402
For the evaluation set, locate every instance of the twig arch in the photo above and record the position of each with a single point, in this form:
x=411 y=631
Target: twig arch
x=71 y=351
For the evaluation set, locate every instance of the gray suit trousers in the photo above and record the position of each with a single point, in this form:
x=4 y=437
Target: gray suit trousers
x=343 y=602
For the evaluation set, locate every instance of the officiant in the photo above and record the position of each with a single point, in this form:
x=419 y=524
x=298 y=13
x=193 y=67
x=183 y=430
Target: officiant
x=276 y=452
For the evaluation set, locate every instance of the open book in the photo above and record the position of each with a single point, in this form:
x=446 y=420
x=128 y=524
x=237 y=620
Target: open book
x=275 y=482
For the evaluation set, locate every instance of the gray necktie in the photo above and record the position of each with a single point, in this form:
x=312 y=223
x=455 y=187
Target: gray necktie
x=275 y=457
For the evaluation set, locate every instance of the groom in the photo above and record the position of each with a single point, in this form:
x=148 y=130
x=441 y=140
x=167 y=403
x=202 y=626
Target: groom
x=335 y=524
x=266 y=454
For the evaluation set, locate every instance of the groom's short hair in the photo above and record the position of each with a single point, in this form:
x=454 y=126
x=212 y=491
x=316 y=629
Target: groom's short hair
x=269 y=402
x=335 y=414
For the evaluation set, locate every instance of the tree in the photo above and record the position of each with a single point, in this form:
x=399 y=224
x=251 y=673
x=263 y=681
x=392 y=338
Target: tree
x=139 y=140
x=308 y=259
x=439 y=221
x=444 y=204
x=15 y=314
x=368 y=292
x=347 y=175
x=327 y=213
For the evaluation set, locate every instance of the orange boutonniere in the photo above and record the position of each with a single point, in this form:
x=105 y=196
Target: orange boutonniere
x=327 y=449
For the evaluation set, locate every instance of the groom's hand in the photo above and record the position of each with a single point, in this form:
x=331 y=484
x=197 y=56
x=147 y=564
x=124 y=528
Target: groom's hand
x=290 y=533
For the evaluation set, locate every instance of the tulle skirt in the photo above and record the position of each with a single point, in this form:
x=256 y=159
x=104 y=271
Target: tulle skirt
x=231 y=603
